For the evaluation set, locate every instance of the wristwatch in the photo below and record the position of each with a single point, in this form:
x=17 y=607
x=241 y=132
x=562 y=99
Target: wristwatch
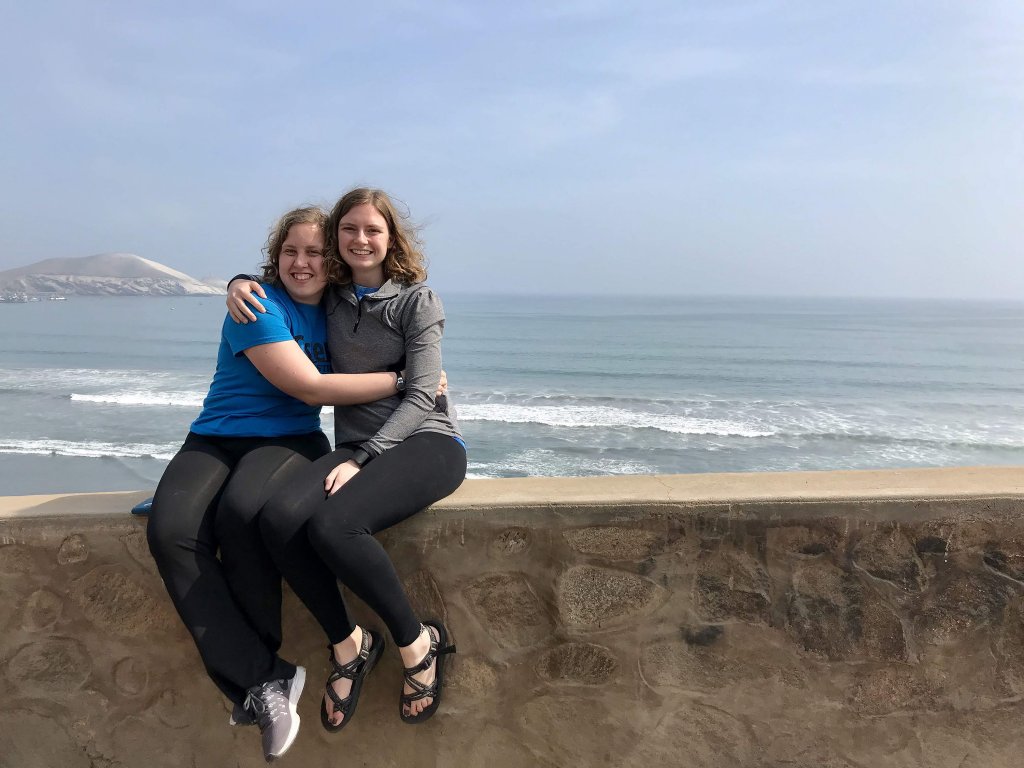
x=400 y=383
x=360 y=457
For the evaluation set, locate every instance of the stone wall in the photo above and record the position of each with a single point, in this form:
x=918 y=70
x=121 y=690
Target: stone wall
x=805 y=619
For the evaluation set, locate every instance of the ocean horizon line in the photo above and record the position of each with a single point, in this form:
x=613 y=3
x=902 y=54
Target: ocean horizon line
x=1018 y=301
x=652 y=294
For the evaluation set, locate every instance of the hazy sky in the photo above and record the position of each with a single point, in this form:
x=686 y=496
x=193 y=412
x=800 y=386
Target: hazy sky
x=796 y=148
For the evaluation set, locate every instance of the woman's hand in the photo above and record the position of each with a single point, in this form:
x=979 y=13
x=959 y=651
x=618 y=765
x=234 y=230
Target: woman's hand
x=239 y=293
x=442 y=386
x=338 y=476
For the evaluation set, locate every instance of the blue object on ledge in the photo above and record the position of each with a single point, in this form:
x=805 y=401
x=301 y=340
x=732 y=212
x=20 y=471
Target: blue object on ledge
x=143 y=507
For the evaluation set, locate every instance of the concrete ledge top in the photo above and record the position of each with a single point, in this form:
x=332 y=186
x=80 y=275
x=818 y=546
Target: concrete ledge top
x=631 y=490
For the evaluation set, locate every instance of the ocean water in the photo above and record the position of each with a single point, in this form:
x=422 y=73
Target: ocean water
x=99 y=392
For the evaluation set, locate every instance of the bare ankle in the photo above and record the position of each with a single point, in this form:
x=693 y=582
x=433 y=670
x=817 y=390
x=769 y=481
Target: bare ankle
x=418 y=648
x=348 y=648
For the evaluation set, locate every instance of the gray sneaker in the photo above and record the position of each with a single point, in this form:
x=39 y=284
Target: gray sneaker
x=272 y=705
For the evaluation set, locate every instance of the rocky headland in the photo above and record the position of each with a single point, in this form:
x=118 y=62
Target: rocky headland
x=105 y=274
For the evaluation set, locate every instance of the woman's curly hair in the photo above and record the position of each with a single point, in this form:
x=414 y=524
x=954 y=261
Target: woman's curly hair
x=279 y=233
x=404 y=261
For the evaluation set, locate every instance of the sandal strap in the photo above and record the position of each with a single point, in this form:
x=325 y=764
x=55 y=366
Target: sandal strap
x=409 y=698
x=340 y=704
x=349 y=670
x=430 y=655
x=429 y=659
x=420 y=690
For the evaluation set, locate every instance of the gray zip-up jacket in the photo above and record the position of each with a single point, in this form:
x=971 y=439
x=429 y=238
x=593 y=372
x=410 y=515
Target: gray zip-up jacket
x=396 y=327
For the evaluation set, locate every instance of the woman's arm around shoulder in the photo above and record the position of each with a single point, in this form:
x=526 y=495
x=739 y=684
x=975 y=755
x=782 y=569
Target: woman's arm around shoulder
x=285 y=365
x=271 y=347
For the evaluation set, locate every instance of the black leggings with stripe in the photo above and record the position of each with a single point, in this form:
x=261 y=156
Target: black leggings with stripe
x=209 y=499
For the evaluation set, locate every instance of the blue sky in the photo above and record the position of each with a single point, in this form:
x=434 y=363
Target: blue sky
x=779 y=148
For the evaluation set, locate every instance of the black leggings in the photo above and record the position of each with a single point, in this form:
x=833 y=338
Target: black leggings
x=209 y=497
x=317 y=541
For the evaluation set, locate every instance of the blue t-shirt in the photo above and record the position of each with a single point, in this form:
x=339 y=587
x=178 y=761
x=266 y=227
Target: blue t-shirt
x=363 y=290
x=241 y=403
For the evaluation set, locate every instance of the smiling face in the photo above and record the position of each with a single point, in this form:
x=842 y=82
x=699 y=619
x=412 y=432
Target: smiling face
x=363 y=238
x=301 y=266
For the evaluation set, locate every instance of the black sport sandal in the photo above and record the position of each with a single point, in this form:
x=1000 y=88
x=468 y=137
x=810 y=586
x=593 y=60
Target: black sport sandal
x=356 y=671
x=439 y=648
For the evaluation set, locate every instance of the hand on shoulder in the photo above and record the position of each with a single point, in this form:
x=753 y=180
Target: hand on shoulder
x=242 y=293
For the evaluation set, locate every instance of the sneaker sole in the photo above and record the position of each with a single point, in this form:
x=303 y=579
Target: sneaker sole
x=294 y=692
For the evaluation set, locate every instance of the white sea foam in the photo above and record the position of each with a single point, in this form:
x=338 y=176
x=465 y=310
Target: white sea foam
x=79 y=378
x=785 y=421
x=91 y=449
x=540 y=462
x=192 y=400
x=605 y=416
x=182 y=399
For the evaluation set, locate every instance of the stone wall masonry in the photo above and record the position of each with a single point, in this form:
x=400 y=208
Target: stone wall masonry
x=841 y=619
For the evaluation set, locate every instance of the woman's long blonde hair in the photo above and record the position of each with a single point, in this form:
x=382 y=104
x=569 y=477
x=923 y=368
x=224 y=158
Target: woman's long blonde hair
x=404 y=261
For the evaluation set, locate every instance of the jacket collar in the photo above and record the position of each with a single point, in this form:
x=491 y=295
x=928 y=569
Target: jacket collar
x=389 y=290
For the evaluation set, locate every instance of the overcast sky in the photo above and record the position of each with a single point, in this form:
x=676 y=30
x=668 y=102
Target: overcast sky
x=779 y=148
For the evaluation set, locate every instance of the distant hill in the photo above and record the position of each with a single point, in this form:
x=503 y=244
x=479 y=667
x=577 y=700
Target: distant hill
x=106 y=274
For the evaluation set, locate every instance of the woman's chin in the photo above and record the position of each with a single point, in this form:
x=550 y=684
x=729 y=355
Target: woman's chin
x=305 y=293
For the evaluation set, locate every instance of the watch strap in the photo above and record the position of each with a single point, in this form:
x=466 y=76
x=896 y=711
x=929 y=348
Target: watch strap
x=360 y=457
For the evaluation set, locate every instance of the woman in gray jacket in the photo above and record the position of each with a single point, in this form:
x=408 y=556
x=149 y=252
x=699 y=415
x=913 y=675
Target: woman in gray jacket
x=393 y=458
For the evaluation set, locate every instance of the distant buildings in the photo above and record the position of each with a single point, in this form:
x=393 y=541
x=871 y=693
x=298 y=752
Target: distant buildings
x=20 y=297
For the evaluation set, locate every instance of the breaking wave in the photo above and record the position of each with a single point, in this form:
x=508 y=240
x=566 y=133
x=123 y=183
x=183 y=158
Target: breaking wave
x=182 y=399
x=605 y=416
x=91 y=449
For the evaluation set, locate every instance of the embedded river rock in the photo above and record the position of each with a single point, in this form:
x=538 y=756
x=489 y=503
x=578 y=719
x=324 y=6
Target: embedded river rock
x=842 y=619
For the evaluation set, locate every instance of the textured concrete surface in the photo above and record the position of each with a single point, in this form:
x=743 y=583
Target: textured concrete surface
x=844 y=619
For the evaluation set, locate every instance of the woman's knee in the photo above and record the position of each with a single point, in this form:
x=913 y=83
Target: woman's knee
x=156 y=536
x=319 y=532
x=166 y=536
x=179 y=519
x=332 y=531
x=236 y=512
x=280 y=518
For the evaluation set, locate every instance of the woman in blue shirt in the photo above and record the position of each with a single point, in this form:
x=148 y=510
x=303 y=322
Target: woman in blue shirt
x=260 y=424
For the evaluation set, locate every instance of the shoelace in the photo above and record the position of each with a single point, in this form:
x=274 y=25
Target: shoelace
x=267 y=704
